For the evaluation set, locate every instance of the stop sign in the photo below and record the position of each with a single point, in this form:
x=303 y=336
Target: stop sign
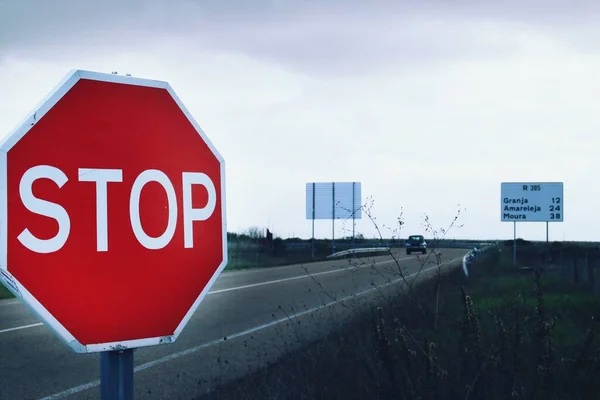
x=112 y=212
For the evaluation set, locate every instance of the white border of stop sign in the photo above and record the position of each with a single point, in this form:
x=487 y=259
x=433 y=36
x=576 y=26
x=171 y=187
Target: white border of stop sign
x=102 y=179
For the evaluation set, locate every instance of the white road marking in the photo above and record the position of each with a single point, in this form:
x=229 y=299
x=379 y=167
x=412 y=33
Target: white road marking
x=174 y=356
x=74 y=390
x=245 y=287
x=302 y=276
x=245 y=271
x=9 y=303
x=21 y=327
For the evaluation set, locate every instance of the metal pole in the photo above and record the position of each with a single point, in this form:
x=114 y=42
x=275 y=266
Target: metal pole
x=353 y=210
x=116 y=375
x=333 y=219
x=547 y=246
x=312 y=243
x=515 y=245
x=313 y=221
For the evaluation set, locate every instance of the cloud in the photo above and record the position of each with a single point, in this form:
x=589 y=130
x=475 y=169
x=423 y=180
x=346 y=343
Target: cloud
x=323 y=38
x=430 y=104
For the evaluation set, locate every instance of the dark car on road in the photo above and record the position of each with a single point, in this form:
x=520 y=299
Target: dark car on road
x=416 y=243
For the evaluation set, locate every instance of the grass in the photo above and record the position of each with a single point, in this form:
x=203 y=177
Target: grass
x=500 y=334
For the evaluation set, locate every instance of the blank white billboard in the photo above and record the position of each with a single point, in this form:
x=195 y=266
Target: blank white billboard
x=333 y=200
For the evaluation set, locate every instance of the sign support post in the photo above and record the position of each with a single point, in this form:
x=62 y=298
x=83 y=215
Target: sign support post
x=531 y=202
x=547 y=245
x=515 y=245
x=313 y=221
x=333 y=219
x=353 y=210
x=116 y=375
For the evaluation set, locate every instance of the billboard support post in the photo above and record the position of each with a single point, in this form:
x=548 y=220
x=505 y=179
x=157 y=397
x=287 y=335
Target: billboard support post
x=353 y=210
x=313 y=222
x=333 y=219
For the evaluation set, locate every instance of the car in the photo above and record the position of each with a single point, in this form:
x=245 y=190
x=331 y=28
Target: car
x=416 y=243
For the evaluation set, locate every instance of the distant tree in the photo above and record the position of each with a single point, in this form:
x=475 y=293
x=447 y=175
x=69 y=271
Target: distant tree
x=255 y=232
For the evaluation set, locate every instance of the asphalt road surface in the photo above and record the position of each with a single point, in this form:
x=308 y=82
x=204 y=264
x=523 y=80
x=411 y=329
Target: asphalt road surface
x=248 y=319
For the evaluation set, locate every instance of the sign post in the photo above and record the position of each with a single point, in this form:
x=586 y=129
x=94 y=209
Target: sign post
x=531 y=202
x=116 y=375
x=114 y=194
x=515 y=244
x=547 y=245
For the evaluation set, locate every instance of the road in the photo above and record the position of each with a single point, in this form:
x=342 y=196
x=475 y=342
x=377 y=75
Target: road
x=248 y=319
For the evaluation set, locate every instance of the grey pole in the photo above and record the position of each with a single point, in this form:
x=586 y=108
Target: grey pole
x=333 y=219
x=116 y=375
x=515 y=245
x=353 y=210
x=547 y=246
x=313 y=221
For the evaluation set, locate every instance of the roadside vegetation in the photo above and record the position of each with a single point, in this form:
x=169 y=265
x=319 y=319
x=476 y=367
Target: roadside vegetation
x=258 y=247
x=503 y=332
x=5 y=293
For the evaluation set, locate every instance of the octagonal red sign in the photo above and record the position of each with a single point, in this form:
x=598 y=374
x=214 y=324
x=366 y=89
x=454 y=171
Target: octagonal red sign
x=112 y=212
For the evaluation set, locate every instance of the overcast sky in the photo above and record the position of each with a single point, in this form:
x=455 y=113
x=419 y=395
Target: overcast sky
x=430 y=104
